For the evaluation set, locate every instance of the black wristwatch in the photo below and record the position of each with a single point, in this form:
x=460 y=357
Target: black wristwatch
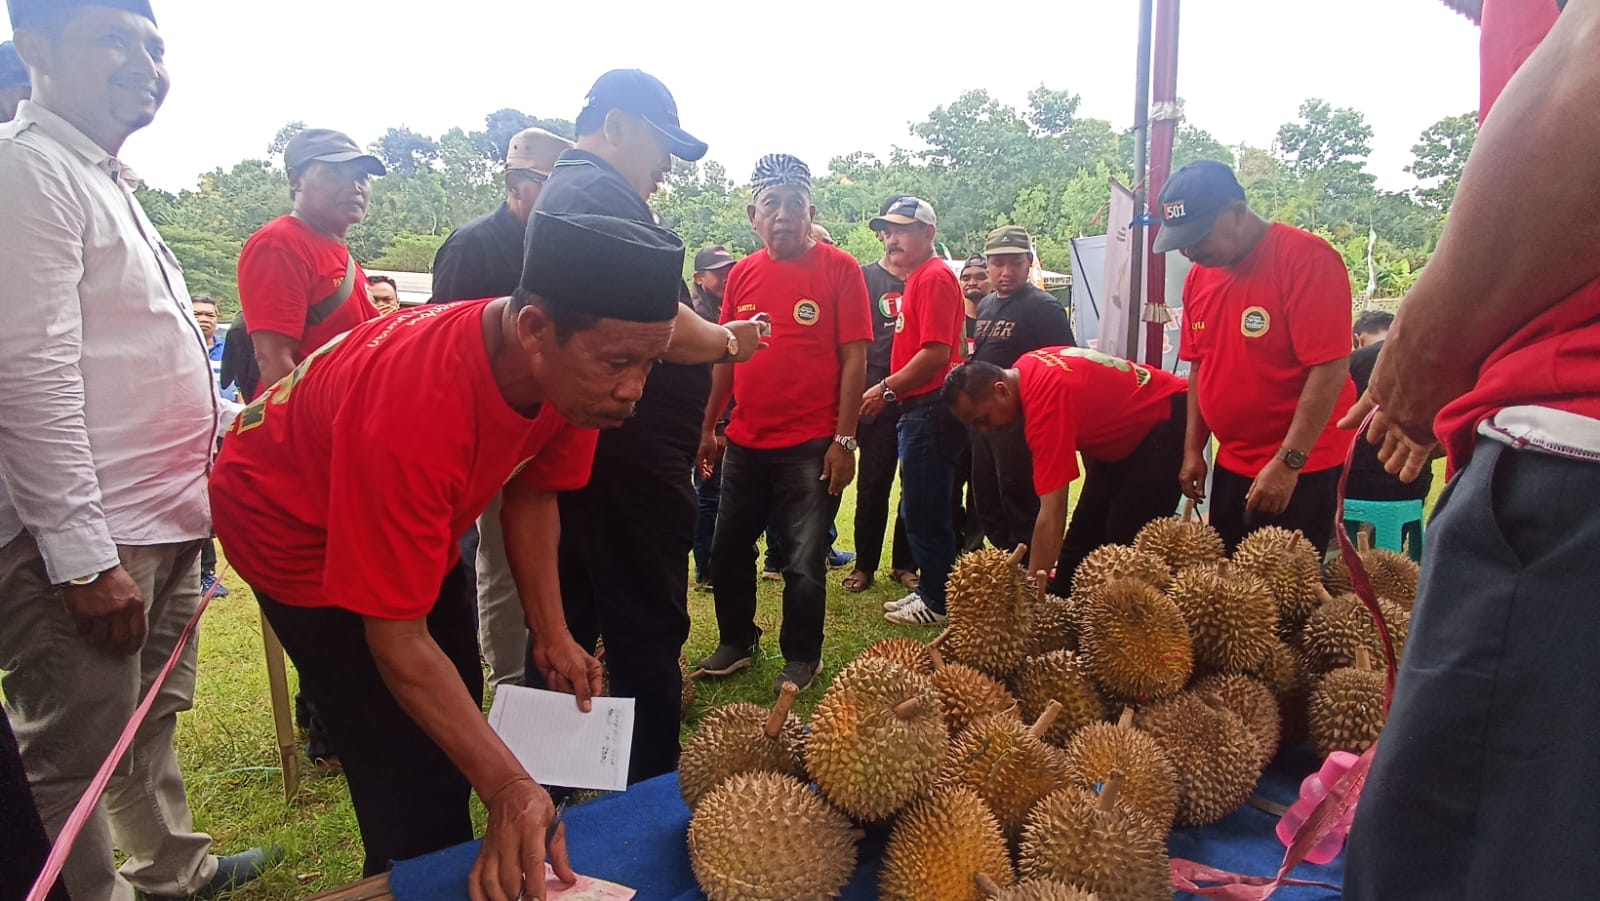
x=889 y=396
x=1295 y=460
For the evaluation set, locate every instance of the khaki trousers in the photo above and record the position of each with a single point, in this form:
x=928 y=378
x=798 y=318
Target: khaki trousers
x=502 y=625
x=69 y=701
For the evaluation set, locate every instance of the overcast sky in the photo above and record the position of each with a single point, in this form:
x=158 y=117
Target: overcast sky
x=817 y=79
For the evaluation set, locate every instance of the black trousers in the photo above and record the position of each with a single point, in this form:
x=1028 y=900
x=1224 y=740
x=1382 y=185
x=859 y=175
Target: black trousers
x=876 y=467
x=1484 y=784
x=1121 y=497
x=1312 y=508
x=625 y=577
x=1002 y=486
x=409 y=797
x=782 y=488
x=22 y=835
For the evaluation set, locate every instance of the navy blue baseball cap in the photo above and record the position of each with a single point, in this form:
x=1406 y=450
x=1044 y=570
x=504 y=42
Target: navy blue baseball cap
x=1191 y=202
x=642 y=94
x=25 y=11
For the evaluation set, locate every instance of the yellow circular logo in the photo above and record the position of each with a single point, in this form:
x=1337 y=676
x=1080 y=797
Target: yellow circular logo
x=1255 y=322
x=900 y=323
x=806 y=312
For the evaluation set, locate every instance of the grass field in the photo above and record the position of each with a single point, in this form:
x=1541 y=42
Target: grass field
x=229 y=755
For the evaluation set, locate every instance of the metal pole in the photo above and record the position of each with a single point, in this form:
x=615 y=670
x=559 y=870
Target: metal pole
x=1141 y=142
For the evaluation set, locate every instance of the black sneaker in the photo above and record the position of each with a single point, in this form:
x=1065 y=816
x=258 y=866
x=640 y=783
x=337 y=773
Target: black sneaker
x=802 y=674
x=728 y=659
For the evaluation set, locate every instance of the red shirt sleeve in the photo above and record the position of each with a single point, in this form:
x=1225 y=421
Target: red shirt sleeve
x=273 y=280
x=1317 y=301
x=942 y=312
x=1188 y=339
x=855 y=307
x=563 y=464
x=1050 y=430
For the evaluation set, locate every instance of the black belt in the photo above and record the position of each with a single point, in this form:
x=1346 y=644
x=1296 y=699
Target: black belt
x=921 y=400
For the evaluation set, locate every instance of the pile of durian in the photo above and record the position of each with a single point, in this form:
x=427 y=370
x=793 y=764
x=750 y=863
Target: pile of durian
x=1042 y=747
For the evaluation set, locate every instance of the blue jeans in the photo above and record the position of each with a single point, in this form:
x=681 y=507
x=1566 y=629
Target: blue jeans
x=930 y=441
x=782 y=487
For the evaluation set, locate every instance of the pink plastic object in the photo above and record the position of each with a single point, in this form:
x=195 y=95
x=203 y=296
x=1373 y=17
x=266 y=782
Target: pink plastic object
x=1312 y=791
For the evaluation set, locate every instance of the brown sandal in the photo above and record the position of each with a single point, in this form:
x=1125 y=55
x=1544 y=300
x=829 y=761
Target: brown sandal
x=907 y=579
x=857 y=581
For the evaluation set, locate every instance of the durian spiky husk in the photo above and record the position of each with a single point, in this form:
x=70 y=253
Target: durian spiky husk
x=908 y=652
x=1135 y=641
x=686 y=695
x=1286 y=672
x=768 y=837
x=1180 y=542
x=732 y=739
x=1112 y=562
x=1043 y=890
x=969 y=696
x=1253 y=702
x=1118 y=856
x=940 y=845
x=1059 y=676
x=1341 y=625
x=877 y=739
x=1232 y=616
x=1394 y=576
x=1055 y=626
x=1290 y=566
x=990 y=621
x=1213 y=752
x=1346 y=712
x=1007 y=766
x=1151 y=786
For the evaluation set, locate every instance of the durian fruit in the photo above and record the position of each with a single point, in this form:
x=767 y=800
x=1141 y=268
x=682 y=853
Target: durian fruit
x=1341 y=625
x=1008 y=765
x=1394 y=576
x=877 y=739
x=1290 y=566
x=1347 y=708
x=968 y=695
x=1111 y=562
x=1033 y=890
x=1232 y=617
x=1212 y=750
x=1091 y=841
x=1286 y=672
x=940 y=846
x=742 y=738
x=686 y=694
x=769 y=837
x=1253 y=702
x=1151 y=786
x=1055 y=620
x=1181 y=541
x=989 y=605
x=1135 y=641
x=908 y=652
x=1059 y=676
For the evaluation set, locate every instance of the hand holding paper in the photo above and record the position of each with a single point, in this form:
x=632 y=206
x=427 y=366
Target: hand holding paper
x=558 y=744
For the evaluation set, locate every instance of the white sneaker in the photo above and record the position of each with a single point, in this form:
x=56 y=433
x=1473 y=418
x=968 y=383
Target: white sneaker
x=916 y=613
x=902 y=602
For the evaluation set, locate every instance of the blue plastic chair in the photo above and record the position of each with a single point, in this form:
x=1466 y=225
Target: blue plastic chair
x=1397 y=525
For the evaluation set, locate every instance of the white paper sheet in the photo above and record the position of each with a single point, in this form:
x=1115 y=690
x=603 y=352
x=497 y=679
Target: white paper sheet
x=560 y=745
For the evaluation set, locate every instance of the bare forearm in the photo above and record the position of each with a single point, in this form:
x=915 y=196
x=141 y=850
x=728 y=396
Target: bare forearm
x=695 y=340
x=852 y=382
x=721 y=391
x=1049 y=531
x=1315 y=408
x=922 y=367
x=531 y=523
x=274 y=355
x=1196 y=432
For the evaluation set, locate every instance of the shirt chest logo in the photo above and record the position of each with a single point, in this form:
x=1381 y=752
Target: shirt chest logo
x=899 y=322
x=1255 y=322
x=807 y=312
x=889 y=305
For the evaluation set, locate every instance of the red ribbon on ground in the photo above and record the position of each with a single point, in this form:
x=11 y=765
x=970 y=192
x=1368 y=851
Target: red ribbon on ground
x=97 y=786
x=1342 y=797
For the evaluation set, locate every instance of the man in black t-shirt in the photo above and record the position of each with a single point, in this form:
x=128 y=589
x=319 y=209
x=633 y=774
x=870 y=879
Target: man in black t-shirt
x=1368 y=481
x=711 y=267
x=1017 y=318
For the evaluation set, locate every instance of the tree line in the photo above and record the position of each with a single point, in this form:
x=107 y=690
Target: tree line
x=984 y=164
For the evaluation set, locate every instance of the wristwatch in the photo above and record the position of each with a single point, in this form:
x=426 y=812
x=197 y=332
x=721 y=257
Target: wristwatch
x=848 y=442
x=733 y=344
x=1295 y=460
x=889 y=396
x=81 y=581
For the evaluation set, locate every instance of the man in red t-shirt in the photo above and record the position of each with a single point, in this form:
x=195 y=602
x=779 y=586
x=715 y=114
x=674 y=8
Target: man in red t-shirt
x=292 y=271
x=1266 y=331
x=341 y=492
x=1126 y=419
x=929 y=337
x=791 y=441
x=1496 y=352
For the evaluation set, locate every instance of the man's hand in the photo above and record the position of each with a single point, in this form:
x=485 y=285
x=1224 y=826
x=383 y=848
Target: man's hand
x=748 y=332
x=1272 y=489
x=109 y=612
x=567 y=667
x=712 y=446
x=872 y=402
x=1192 y=477
x=838 y=468
x=1400 y=456
x=510 y=864
x=1412 y=386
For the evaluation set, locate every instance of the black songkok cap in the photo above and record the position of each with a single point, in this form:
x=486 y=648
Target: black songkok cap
x=608 y=267
x=23 y=12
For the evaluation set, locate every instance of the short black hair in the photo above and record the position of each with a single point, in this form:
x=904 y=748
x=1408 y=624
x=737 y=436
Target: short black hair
x=1372 y=322
x=568 y=322
x=974 y=379
x=209 y=301
x=382 y=279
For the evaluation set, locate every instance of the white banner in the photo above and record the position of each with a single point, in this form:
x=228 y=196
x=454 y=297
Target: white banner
x=1114 y=306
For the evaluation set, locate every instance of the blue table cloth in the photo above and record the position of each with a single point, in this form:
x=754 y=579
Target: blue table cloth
x=636 y=838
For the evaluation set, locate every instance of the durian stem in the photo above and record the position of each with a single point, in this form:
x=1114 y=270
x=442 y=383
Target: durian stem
x=1322 y=595
x=1363 y=659
x=1126 y=720
x=1039 y=579
x=938 y=658
x=987 y=886
x=1363 y=540
x=697 y=674
x=1113 y=788
x=1046 y=719
x=780 y=710
x=1223 y=568
x=908 y=708
x=940 y=640
x=859 y=835
x=1190 y=510
x=1018 y=555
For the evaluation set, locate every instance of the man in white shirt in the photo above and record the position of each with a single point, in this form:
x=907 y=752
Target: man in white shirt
x=106 y=430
